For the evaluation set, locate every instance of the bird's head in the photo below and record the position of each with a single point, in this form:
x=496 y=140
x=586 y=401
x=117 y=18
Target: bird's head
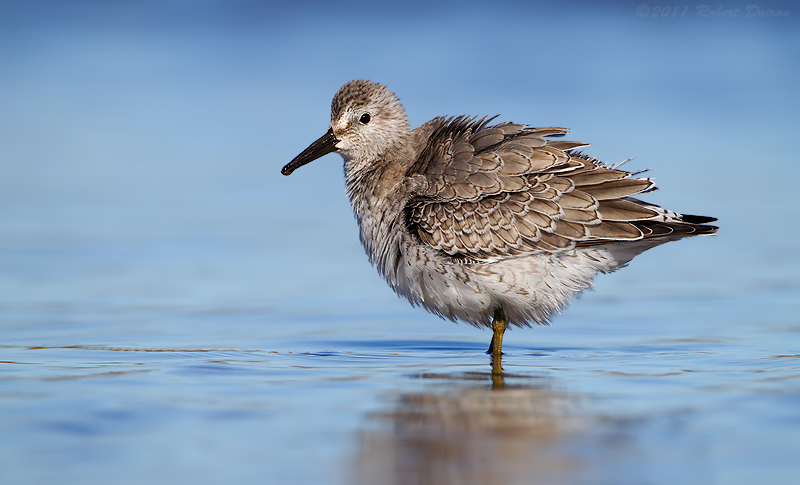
x=367 y=122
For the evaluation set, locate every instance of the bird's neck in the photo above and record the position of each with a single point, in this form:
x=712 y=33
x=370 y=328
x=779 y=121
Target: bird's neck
x=379 y=192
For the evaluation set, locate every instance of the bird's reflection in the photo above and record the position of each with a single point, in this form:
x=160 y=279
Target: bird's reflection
x=479 y=429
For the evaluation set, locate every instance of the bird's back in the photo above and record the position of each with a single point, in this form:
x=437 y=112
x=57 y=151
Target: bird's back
x=494 y=191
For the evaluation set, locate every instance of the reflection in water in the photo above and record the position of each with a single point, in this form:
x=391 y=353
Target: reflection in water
x=507 y=434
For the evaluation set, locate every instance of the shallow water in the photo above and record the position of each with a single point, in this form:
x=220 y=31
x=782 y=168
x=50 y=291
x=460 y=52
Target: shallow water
x=172 y=309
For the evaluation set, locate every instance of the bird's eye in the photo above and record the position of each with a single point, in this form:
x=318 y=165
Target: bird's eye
x=365 y=118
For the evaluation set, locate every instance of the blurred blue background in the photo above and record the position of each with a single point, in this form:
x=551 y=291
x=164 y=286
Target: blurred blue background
x=142 y=211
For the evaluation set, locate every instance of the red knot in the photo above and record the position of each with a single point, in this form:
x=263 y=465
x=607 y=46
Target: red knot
x=491 y=224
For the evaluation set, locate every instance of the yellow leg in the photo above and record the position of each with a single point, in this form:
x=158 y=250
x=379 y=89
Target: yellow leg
x=499 y=324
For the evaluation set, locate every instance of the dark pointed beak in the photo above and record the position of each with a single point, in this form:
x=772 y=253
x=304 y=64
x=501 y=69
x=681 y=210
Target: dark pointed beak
x=321 y=147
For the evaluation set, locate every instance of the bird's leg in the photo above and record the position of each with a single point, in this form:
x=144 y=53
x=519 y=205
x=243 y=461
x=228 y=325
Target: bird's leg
x=499 y=324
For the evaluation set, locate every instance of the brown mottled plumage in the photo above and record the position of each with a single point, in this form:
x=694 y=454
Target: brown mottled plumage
x=503 y=190
x=490 y=224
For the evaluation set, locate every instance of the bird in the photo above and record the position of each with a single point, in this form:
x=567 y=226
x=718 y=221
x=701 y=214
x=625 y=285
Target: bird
x=489 y=223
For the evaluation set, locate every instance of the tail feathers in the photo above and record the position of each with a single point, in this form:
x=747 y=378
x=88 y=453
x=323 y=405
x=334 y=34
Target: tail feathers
x=697 y=219
x=653 y=229
x=656 y=234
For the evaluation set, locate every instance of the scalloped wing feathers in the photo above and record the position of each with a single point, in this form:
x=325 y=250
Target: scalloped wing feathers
x=497 y=191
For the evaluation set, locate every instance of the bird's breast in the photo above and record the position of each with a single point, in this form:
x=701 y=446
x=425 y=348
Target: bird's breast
x=378 y=204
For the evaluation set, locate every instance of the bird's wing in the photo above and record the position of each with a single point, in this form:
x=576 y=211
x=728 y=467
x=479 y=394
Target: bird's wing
x=496 y=191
